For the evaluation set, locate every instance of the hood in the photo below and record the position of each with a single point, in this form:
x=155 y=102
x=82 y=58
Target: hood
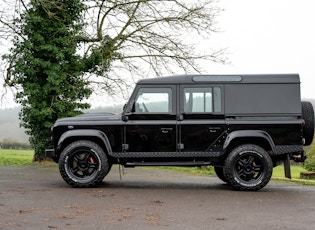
x=90 y=117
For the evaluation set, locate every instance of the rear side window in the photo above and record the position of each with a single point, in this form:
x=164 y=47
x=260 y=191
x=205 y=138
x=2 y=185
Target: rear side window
x=202 y=100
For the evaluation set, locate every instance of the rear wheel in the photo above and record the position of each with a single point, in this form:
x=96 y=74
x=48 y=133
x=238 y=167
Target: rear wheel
x=248 y=167
x=83 y=164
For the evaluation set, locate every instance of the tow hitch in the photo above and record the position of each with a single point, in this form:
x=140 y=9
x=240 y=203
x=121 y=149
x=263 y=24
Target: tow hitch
x=299 y=158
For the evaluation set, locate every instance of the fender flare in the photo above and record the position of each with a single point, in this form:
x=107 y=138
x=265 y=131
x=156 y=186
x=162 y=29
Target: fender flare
x=248 y=133
x=85 y=133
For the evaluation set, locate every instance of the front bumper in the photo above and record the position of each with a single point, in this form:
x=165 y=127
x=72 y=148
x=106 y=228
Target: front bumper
x=50 y=153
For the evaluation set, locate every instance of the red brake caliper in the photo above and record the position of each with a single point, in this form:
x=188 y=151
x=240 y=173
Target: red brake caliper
x=91 y=160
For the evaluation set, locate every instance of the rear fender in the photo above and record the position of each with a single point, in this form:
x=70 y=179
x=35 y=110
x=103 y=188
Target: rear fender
x=249 y=134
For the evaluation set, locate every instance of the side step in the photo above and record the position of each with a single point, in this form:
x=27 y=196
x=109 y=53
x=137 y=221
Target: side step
x=177 y=163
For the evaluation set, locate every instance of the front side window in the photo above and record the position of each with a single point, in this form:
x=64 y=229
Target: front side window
x=153 y=100
x=202 y=100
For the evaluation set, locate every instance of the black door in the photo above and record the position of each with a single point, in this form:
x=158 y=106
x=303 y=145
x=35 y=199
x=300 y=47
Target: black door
x=151 y=126
x=202 y=119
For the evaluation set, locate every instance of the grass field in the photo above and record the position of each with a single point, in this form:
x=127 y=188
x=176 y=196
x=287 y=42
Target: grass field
x=25 y=157
x=16 y=157
x=295 y=171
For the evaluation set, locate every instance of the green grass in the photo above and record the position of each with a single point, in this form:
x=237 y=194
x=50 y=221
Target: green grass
x=193 y=170
x=278 y=172
x=16 y=157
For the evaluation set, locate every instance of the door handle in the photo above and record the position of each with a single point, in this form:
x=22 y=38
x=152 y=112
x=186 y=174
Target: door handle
x=214 y=129
x=166 y=130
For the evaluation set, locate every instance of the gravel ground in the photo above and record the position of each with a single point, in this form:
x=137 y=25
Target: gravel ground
x=36 y=197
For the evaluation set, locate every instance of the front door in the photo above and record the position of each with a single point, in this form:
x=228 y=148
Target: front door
x=151 y=127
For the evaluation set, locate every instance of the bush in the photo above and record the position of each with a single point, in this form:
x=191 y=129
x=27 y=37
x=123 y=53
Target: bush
x=310 y=161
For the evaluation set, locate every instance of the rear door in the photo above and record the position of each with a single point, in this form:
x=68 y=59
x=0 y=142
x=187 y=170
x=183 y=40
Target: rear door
x=202 y=122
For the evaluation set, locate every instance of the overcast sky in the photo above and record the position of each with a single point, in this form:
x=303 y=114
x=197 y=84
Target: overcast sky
x=266 y=36
x=269 y=36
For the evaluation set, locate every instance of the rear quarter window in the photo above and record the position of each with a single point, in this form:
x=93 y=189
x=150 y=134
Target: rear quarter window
x=202 y=99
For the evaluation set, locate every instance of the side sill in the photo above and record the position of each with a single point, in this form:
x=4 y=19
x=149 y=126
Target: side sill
x=166 y=154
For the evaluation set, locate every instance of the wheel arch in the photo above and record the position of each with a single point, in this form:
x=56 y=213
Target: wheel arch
x=96 y=136
x=257 y=137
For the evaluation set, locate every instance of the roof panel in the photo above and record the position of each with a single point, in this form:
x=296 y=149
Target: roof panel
x=204 y=78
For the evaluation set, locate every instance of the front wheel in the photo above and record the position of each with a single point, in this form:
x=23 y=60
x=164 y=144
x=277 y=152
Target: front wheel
x=83 y=164
x=248 y=167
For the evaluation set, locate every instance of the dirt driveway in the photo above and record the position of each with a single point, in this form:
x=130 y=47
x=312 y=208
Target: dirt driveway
x=35 y=197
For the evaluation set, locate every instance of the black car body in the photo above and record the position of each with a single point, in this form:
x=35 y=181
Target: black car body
x=243 y=125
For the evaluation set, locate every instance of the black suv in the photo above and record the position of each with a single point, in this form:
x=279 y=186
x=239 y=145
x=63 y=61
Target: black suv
x=243 y=125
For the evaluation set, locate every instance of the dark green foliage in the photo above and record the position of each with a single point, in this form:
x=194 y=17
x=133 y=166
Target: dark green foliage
x=100 y=54
x=46 y=68
x=310 y=161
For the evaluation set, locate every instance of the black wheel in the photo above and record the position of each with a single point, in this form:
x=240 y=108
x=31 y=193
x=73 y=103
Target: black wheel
x=219 y=172
x=83 y=164
x=248 y=167
x=308 y=117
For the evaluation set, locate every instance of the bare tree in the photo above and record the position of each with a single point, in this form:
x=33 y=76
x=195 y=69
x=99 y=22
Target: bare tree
x=61 y=50
x=135 y=38
x=150 y=36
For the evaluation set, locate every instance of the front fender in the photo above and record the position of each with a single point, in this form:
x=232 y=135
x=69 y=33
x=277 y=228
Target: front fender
x=250 y=134
x=85 y=133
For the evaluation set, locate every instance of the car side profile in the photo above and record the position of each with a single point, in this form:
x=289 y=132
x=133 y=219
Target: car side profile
x=243 y=125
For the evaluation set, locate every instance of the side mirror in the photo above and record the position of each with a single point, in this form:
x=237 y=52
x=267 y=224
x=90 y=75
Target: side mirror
x=126 y=108
x=124 y=117
x=126 y=112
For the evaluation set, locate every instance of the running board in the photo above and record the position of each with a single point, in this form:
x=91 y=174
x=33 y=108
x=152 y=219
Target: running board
x=168 y=155
x=178 y=163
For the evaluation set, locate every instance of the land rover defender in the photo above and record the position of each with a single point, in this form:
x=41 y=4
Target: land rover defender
x=242 y=125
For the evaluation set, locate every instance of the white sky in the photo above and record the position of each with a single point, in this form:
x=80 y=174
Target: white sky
x=265 y=36
x=269 y=36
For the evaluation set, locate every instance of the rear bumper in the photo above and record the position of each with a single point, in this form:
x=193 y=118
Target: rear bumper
x=299 y=158
x=50 y=153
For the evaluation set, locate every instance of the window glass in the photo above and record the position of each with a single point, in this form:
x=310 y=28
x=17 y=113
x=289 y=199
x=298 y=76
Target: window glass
x=202 y=100
x=154 y=100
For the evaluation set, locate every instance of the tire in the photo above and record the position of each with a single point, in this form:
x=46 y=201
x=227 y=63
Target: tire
x=248 y=168
x=308 y=117
x=219 y=172
x=83 y=164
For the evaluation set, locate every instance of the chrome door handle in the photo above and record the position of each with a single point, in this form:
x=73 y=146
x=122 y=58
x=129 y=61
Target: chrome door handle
x=214 y=129
x=166 y=130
